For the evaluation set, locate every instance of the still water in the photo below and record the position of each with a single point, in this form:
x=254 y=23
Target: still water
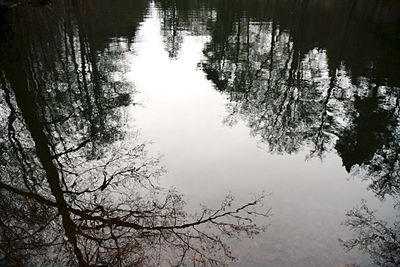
x=200 y=132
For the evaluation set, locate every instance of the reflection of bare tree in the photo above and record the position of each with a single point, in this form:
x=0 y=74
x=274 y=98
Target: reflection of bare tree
x=371 y=145
x=295 y=85
x=75 y=84
x=72 y=191
x=110 y=212
x=291 y=82
x=373 y=236
x=271 y=84
x=293 y=96
x=179 y=17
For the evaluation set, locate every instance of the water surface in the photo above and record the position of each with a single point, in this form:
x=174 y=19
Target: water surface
x=296 y=100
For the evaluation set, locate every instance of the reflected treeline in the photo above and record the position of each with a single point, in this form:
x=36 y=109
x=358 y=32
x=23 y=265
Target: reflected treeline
x=73 y=192
x=180 y=17
x=362 y=33
x=316 y=74
x=303 y=73
x=73 y=70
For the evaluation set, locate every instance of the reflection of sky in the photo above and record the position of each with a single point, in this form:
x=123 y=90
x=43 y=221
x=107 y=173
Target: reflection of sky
x=182 y=114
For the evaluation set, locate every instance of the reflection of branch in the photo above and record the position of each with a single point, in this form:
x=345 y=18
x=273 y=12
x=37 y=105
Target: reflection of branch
x=30 y=195
x=89 y=223
x=373 y=236
x=216 y=215
x=72 y=149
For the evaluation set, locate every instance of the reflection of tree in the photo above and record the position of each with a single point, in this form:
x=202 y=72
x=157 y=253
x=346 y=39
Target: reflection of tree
x=178 y=18
x=111 y=213
x=72 y=80
x=291 y=97
x=357 y=32
x=280 y=91
x=371 y=142
x=71 y=190
x=320 y=74
x=373 y=236
x=295 y=86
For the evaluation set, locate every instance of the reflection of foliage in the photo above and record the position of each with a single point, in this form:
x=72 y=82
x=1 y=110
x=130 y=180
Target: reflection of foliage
x=116 y=215
x=371 y=145
x=178 y=18
x=76 y=87
x=72 y=191
x=373 y=236
x=296 y=87
x=372 y=140
x=283 y=95
x=113 y=213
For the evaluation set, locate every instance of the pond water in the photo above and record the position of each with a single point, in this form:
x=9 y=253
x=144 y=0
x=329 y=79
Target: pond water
x=130 y=129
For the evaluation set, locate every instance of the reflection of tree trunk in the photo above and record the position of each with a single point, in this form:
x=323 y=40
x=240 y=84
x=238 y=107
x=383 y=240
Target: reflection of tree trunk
x=89 y=49
x=24 y=97
x=294 y=58
x=237 y=55
x=13 y=139
x=332 y=83
x=332 y=74
x=272 y=50
x=83 y=54
x=174 y=31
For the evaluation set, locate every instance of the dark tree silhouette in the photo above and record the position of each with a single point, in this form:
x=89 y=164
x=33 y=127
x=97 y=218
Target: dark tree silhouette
x=320 y=75
x=73 y=191
x=301 y=73
x=298 y=87
x=371 y=142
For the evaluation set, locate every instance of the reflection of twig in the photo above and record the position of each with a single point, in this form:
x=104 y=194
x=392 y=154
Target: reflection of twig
x=73 y=149
x=373 y=236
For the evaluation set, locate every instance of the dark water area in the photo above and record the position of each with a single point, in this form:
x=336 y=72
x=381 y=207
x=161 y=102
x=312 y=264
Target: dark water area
x=200 y=133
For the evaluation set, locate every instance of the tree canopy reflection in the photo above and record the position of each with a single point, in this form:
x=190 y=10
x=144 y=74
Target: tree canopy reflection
x=299 y=82
x=73 y=190
x=300 y=73
x=321 y=75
